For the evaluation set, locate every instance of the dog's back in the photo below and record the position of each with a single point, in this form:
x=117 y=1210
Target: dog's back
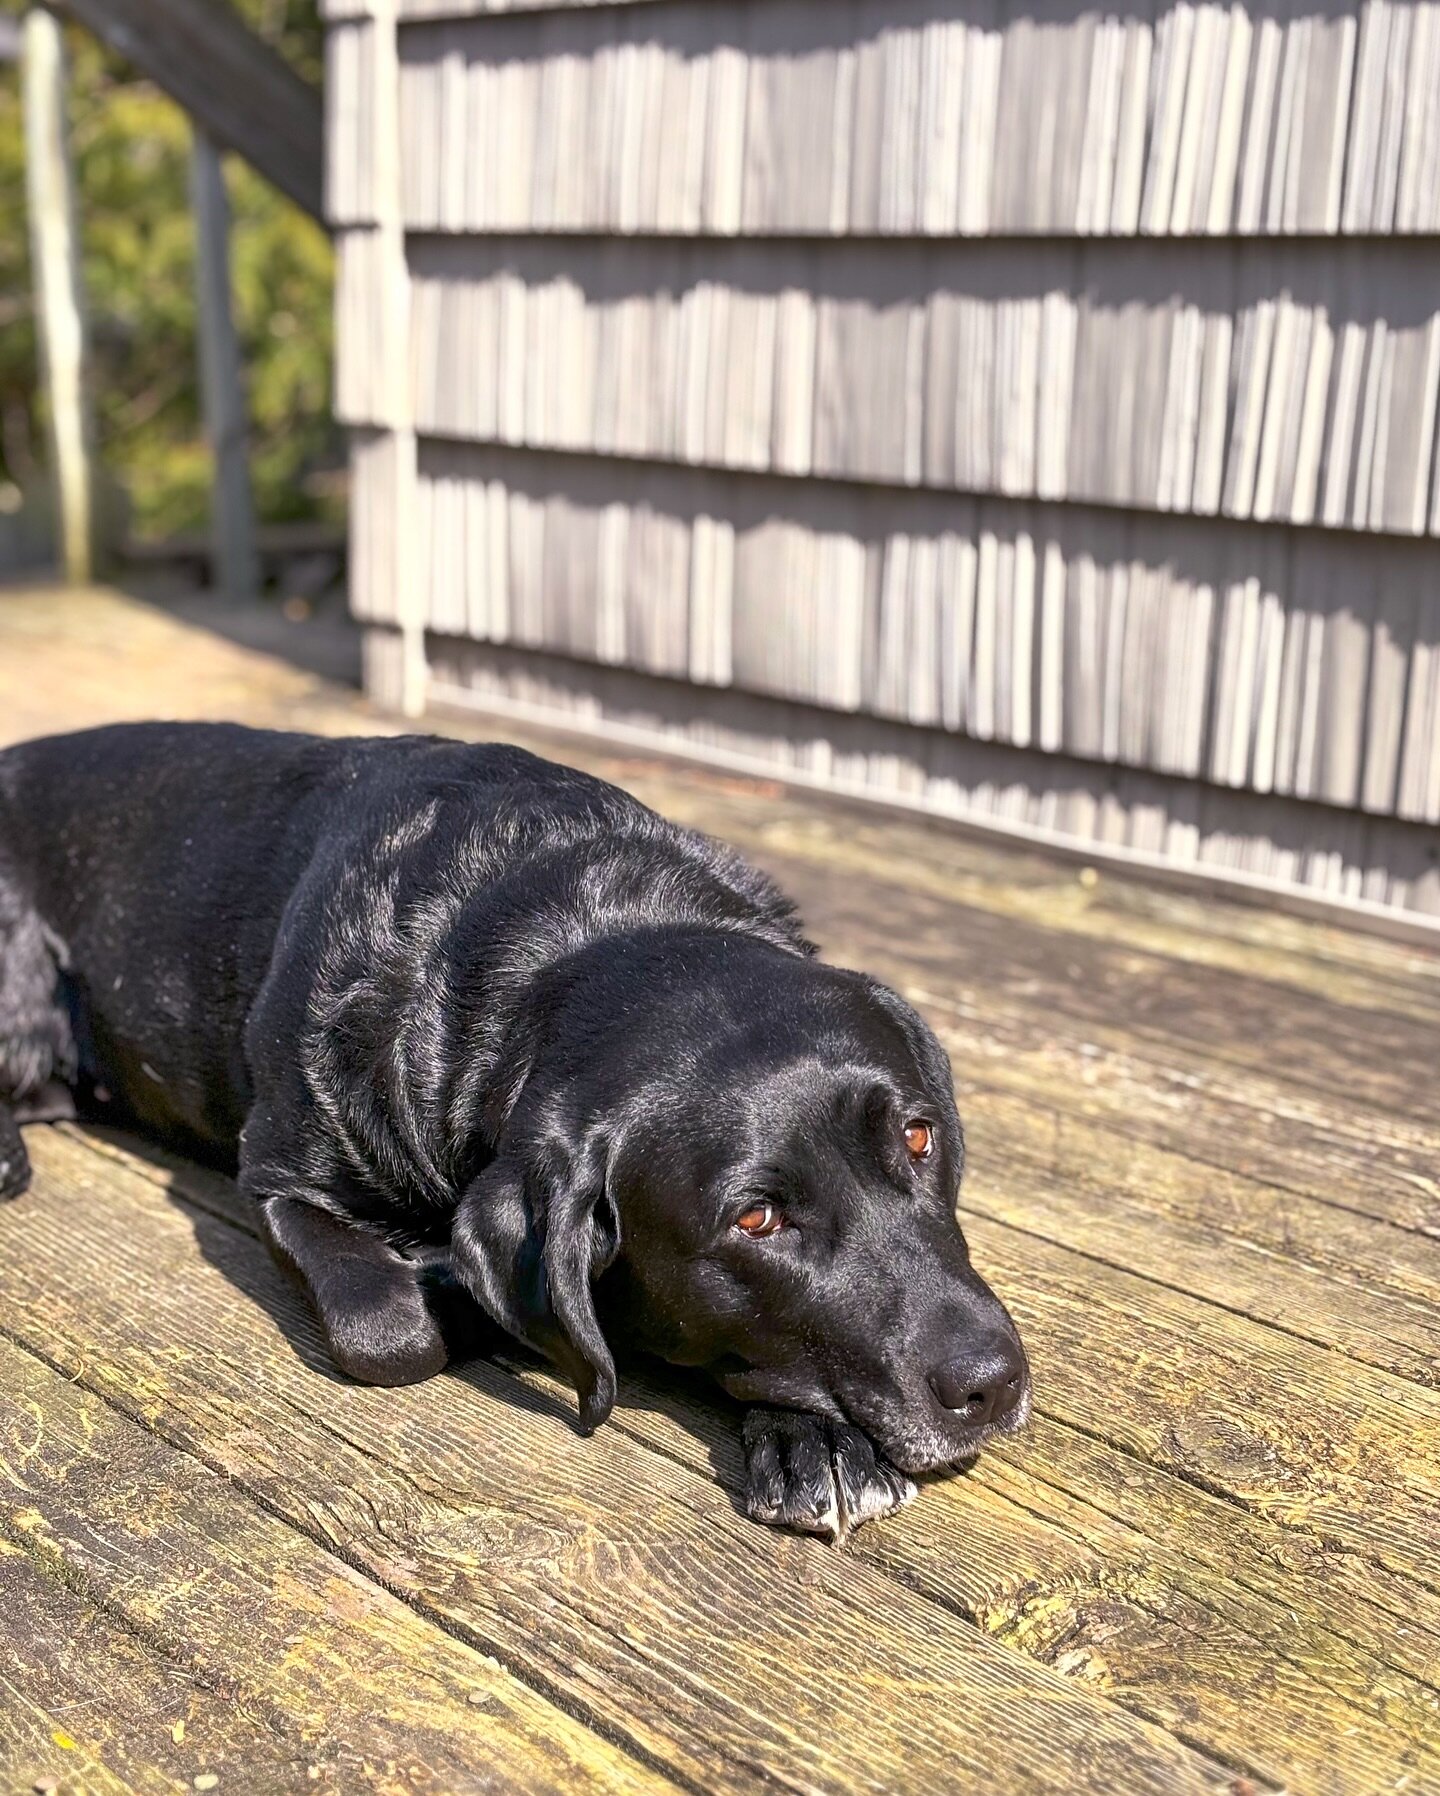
x=147 y=872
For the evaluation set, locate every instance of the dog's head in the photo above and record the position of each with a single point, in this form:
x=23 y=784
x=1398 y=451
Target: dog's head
x=762 y=1161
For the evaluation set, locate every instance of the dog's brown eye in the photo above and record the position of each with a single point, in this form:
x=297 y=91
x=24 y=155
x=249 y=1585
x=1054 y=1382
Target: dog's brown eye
x=919 y=1139
x=760 y=1219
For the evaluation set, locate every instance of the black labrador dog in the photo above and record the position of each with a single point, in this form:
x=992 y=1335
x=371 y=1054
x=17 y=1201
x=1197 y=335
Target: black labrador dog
x=456 y=1007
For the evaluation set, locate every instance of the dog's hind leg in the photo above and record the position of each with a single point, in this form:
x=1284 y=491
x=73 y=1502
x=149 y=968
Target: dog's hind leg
x=370 y=1298
x=37 y=1045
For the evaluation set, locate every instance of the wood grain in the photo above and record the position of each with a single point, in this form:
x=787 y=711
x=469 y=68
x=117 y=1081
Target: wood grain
x=61 y=322
x=105 y=657
x=913 y=854
x=278 y=1664
x=1267 y=1417
x=1366 y=1056
x=1168 y=1090
x=1315 y=1271
x=61 y=1662
x=1019 y=1139
x=1219 y=1523
x=1172 y=1600
x=1342 y=1155
x=1329 y=1582
x=471 y=1498
x=1167 y=1599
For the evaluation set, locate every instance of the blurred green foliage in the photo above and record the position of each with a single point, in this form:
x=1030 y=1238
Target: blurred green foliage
x=131 y=148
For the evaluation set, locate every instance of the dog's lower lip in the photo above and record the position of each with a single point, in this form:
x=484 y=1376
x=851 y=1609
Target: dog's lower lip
x=951 y=1461
x=954 y=1458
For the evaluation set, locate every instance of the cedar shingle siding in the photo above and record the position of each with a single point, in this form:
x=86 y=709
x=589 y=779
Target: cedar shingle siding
x=1026 y=411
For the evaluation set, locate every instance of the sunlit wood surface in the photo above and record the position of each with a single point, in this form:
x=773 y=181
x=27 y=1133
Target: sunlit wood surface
x=1205 y=1150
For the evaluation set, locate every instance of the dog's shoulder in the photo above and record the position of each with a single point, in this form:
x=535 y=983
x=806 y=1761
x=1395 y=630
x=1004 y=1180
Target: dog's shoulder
x=441 y=822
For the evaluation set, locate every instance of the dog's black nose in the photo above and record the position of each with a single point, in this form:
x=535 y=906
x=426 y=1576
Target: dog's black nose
x=982 y=1386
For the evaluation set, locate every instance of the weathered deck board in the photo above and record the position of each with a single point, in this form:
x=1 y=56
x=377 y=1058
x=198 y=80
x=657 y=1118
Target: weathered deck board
x=1031 y=1529
x=1029 y=1573
x=1197 y=930
x=1119 y=1610
x=608 y=1574
x=237 y=1647
x=1381 y=1329
x=1065 y=1155
x=1309 y=1042
x=68 y=1662
x=1205 y=1169
x=1368 y=1161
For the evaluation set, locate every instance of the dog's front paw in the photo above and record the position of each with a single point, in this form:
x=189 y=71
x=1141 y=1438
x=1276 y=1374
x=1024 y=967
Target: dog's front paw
x=822 y=1477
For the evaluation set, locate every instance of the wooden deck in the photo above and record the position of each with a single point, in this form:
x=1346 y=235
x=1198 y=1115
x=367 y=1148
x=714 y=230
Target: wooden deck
x=1205 y=1144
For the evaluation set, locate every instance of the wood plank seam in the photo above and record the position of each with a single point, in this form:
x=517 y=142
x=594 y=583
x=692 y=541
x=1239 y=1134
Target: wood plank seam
x=102 y=1783
x=1007 y=1614
x=1007 y=1618
x=151 y=1639
x=1141 y=1568
x=1266 y=1180
x=1118 y=913
x=151 y=1181
x=969 y=1012
x=983 y=1088
x=1293 y=1049
x=203 y=1546
x=973 y=1207
x=1223 y=1564
x=963 y=869
x=182 y=1200
x=1213 y=1488
x=462 y=1634
x=1216 y=1491
x=465 y=1636
x=1221 y=1053
x=191 y=1194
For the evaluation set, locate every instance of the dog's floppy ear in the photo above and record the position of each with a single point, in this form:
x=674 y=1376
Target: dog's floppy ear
x=531 y=1235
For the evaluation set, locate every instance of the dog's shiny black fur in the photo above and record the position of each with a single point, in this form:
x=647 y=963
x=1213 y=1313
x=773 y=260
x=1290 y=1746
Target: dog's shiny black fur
x=442 y=1003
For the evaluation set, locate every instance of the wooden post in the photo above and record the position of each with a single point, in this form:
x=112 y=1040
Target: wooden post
x=236 y=570
x=55 y=252
x=243 y=94
x=396 y=672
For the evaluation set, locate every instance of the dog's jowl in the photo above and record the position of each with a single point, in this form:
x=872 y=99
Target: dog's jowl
x=476 y=1029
